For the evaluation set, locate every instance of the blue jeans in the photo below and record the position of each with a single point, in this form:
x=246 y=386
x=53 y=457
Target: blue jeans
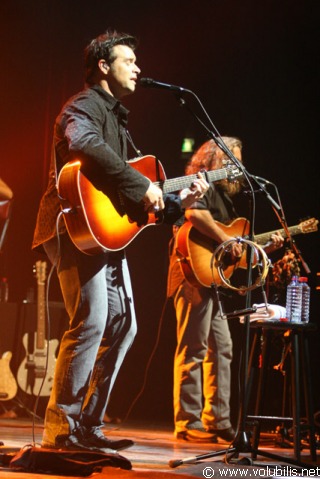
x=202 y=363
x=98 y=298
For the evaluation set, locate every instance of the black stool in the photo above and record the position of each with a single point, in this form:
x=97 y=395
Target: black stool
x=299 y=353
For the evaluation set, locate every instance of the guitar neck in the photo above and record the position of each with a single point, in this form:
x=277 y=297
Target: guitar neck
x=177 y=184
x=265 y=237
x=41 y=317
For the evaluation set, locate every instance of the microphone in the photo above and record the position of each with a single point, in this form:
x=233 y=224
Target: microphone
x=149 y=83
x=262 y=182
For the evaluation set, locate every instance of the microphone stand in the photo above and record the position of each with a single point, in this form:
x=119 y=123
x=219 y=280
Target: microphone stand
x=241 y=442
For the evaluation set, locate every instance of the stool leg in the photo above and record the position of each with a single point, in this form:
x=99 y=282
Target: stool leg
x=265 y=355
x=295 y=361
x=306 y=371
x=251 y=366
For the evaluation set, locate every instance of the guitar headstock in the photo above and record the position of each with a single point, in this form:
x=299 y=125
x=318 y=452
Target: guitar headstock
x=233 y=173
x=309 y=226
x=40 y=270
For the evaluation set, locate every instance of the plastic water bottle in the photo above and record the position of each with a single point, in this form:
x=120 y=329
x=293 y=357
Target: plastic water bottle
x=4 y=290
x=294 y=300
x=305 y=299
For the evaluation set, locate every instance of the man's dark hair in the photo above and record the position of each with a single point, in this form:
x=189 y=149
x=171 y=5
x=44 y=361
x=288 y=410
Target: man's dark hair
x=102 y=48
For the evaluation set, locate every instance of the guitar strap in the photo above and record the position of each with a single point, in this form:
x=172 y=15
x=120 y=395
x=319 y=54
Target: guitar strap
x=129 y=138
x=139 y=154
x=54 y=161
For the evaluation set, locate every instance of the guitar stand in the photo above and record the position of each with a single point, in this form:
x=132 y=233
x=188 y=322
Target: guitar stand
x=29 y=412
x=241 y=442
x=283 y=438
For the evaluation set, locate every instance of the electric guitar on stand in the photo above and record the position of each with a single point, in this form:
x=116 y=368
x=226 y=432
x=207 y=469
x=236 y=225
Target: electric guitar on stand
x=8 y=384
x=35 y=374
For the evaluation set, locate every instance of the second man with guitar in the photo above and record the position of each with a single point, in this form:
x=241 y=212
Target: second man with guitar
x=202 y=374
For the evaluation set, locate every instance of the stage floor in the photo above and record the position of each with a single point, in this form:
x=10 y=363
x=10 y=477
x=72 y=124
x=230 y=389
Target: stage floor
x=155 y=446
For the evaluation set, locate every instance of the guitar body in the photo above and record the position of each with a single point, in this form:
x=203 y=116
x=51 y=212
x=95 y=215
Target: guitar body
x=8 y=384
x=32 y=370
x=195 y=251
x=93 y=223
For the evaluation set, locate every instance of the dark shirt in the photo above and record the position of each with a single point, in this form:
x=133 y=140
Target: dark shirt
x=92 y=128
x=219 y=204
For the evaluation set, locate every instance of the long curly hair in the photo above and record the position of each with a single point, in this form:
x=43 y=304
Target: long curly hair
x=210 y=157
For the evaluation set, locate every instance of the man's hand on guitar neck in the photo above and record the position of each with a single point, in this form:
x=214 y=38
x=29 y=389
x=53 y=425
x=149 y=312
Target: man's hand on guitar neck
x=196 y=191
x=276 y=242
x=153 y=199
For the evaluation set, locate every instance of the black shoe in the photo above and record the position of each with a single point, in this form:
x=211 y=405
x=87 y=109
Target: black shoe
x=74 y=442
x=196 y=435
x=97 y=439
x=227 y=435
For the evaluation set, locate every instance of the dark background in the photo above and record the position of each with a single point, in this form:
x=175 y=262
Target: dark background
x=255 y=67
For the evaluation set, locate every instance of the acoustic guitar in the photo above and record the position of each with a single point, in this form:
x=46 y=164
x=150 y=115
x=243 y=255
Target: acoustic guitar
x=195 y=250
x=93 y=222
x=35 y=373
